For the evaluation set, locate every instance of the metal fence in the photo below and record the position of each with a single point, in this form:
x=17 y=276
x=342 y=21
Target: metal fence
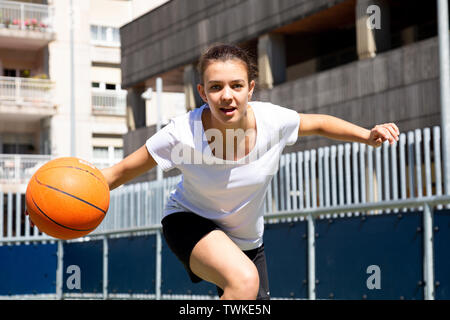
x=330 y=182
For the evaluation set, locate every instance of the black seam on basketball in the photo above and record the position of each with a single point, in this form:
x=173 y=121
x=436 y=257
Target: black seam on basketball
x=70 y=195
x=78 y=168
x=59 y=224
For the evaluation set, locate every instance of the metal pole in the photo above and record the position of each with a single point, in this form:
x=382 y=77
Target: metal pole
x=311 y=259
x=59 y=270
x=159 y=84
x=158 y=265
x=105 y=267
x=428 y=265
x=72 y=85
x=442 y=9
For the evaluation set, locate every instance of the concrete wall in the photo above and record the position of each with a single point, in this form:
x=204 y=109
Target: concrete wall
x=176 y=33
x=400 y=86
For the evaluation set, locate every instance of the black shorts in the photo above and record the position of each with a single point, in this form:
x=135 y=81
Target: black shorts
x=182 y=231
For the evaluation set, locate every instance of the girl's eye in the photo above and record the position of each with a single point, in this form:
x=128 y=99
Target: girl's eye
x=215 y=87
x=237 y=86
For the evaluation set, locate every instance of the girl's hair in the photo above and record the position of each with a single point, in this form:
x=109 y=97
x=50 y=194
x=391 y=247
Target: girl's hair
x=225 y=52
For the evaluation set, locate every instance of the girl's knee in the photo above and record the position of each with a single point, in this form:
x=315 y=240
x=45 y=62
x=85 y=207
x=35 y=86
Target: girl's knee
x=244 y=286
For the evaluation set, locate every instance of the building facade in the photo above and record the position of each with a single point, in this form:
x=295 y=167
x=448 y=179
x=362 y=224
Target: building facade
x=366 y=61
x=35 y=83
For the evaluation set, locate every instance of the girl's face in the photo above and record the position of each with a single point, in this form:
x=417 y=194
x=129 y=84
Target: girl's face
x=226 y=90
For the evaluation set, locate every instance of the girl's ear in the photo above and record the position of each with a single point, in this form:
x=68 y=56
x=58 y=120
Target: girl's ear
x=201 y=91
x=251 y=89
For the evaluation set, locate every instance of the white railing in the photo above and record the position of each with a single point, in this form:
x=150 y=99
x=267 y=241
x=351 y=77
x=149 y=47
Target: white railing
x=18 y=168
x=26 y=91
x=26 y=16
x=109 y=102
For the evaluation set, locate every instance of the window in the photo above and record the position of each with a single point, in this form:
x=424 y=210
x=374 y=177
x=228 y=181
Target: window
x=94 y=32
x=118 y=153
x=108 y=152
x=110 y=86
x=116 y=35
x=95 y=85
x=25 y=73
x=104 y=34
x=106 y=156
x=100 y=153
x=12 y=143
x=9 y=72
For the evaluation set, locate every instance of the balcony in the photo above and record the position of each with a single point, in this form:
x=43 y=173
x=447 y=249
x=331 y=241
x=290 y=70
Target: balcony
x=109 y=102
x=105 y=54
x=17 y=169
x=25 y=25
x=26 y=97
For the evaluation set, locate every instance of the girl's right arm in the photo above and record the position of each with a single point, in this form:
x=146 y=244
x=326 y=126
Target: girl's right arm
x=129 y=168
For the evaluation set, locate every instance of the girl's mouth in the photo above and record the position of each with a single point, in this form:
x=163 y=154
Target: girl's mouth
x=228 y=111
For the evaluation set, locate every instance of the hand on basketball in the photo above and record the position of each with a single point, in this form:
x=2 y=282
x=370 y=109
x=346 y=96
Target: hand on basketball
x=383 y=132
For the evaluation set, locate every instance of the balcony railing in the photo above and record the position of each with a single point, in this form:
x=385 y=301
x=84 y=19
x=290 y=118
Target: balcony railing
x=18 y=168
x=26 y=16
x=25 y=90
x=109 y=102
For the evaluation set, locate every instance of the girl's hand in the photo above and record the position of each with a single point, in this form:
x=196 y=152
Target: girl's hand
x=31 y=222
x=383 y=132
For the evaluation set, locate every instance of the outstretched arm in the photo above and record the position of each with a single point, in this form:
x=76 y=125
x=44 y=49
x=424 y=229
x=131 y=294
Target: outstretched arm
x=129 y=168
x=338 y=129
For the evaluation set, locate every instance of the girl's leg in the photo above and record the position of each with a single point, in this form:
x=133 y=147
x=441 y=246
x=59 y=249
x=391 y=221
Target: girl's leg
x=217 y=259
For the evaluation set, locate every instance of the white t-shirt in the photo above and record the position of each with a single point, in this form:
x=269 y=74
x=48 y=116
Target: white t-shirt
x=231 y=193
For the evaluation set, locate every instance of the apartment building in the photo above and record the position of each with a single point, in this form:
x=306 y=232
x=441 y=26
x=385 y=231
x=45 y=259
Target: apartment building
x=35 y=83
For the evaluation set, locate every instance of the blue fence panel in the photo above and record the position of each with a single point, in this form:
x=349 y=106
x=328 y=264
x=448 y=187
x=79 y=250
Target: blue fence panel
x=285 y=245
x=87 y=259
x=132 y=265
x=441 y=253
x=349 y=250
x=175 y=280
x=28 y=269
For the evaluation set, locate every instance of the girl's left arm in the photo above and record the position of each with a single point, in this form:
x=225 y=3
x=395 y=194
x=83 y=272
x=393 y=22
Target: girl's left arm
x=338 y=129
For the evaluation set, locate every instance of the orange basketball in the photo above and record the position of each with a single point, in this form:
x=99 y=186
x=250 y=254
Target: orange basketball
x=67 y=198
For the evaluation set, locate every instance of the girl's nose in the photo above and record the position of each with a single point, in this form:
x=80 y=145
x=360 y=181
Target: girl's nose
x=227 y=95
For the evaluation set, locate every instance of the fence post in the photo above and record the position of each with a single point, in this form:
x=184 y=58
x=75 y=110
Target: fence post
x=22 y=16
x=428 y=265
x=444 y=82
x=311 y=259
x=158 y=265
x=105 y=267
x=59 y=270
